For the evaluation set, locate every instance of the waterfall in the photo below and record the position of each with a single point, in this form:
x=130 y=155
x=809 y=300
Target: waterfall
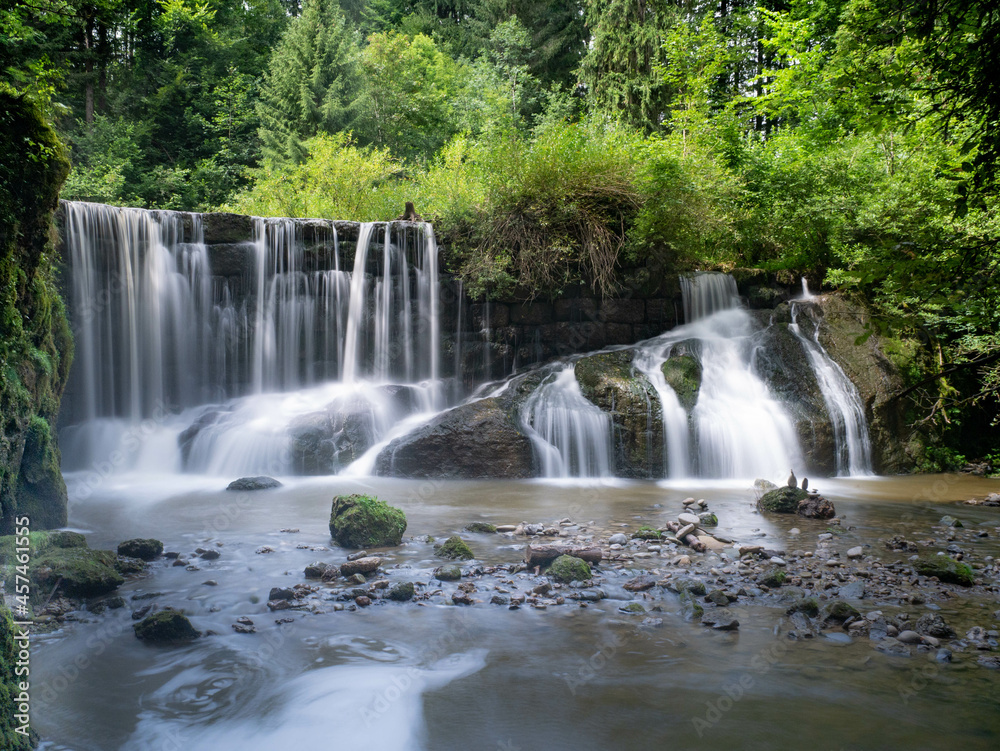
x=740 y=430
x=571 y=435
x=843 y=404
x=230 y=357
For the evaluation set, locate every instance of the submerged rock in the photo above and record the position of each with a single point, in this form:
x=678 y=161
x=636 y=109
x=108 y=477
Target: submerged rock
x=145 y=549
x=165 y=626
x=481 y=527
x=401 y=592
x=358 y=521
x=254 y=483
x=478 y=440
x=448 y=573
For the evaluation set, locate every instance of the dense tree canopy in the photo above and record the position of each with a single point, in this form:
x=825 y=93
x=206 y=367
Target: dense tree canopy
x=605 y=142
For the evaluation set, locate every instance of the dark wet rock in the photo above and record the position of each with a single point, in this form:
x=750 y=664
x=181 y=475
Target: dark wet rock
x=462 y=598
x=893 y=648
x=281 y=593
x=78 y=572
x=401 y=592
x=359 y=521
x=448 y=573
x=900 y=543
x=816 y=507
x=147 y=549
x=611 y=382
x=483 y=439
x=360 y=566
x=253 y=483
x=717 y=597
x=362 y=601
x=326 y=441
x=852 y=591
x=632 y=608
x=989 y=661
x=838 y=611
x=456 y=548
x=165 y=626
x=242 y=628
x=691 y=609
x=932 y=624
x=720 y=619
x=220 y=227
x=354 y=579
x=773 y=578
x=185 y=441
x=945 y=569
x=210 y=554
x=683 y=584
x=316 y=570
x=640 y=583
x=568 y=568
x=481 y=527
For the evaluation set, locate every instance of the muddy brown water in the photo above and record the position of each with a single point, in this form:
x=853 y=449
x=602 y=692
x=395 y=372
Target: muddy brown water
x=434 y=676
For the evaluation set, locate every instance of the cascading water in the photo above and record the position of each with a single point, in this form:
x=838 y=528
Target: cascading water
x=180 y=368
x=571 y=435
x=843 y=403
x=740 y=430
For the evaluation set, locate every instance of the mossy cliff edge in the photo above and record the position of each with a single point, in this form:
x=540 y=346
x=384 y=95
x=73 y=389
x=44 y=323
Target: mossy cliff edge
x=36 y=345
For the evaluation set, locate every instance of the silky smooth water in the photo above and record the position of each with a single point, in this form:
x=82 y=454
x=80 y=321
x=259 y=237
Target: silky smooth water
x=448 y=678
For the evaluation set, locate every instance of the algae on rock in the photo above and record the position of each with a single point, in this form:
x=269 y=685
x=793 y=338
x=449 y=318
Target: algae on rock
x=360 y=521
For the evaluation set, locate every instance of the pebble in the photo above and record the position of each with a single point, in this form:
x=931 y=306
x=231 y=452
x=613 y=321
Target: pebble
x=855 y=552
x=910 y=637
x=777 y=561
x=618 y=539
x=685 y=519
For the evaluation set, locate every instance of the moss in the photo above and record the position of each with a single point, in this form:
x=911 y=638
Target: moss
x=401 y=592
x=645 y=532
x=946 y=570
x=693 y=586
x=145 y=549
x=361 y=521
x=448 y=573
x=773 y=578
x=9 y=737
x=610 y=382
x=691 y=609
x=783 y=500
x=481 y=527
x=78 y=572
x=165 y=626
x=568 y=568
x=683 y=375
x=66 y=540
x=633 y=608
x=454 y=547
x=35 y=340
x=839 y=611
x=807 y=605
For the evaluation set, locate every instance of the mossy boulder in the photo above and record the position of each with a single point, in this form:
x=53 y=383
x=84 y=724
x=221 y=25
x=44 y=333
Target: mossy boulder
x=448 y=573
x=783 y=500
x=126 y=565
x=807 y=605
x=683 y=374
x=569 y=568
x=454 y=547
x=482 y=527
x=610 y=381
x=165 y=626
x=839 y=611
x=361 y=521
x=773 y=578
x=401 y=592
x=67 y=540
x=146 y=549
x=78 y=572
x=646 y=533
x=946 y=570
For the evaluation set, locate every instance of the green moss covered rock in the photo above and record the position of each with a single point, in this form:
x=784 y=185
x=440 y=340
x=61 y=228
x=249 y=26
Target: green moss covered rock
x=448 y=573
x=683 y=375
x=9 y=737
x=401 y=592
x=839 y=611
x=646 y=532
x=773 y=578
x=454 y=547
x=568 y=568
x=946 y=570
x=783 y=500
x=79 y=572
x=146 y=549
x=361 y=521
x=165 y=626
x=67 y=540
x=482 y=527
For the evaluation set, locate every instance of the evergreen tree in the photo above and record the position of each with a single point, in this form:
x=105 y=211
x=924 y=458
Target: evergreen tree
x=314 y=82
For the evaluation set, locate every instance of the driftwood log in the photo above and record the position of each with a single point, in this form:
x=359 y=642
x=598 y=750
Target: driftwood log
x=542 y=555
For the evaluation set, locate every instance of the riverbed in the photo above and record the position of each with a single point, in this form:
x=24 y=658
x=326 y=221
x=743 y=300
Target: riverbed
x=427 y=675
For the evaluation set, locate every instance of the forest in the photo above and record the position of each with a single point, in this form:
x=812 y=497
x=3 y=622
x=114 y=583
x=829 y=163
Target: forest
x=601 y=142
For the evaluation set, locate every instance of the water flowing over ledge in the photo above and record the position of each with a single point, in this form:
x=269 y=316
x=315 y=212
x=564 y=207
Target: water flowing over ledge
x=228 y=345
